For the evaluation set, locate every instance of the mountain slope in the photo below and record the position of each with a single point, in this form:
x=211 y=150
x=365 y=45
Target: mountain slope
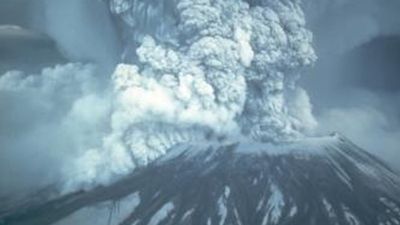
x=316 y=181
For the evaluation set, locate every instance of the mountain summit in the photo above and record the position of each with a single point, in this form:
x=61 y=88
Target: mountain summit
x=317 y=181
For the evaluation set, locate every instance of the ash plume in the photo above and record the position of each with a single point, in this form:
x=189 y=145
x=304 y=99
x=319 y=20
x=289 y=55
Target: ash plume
x=190 y=71
x=224 y=67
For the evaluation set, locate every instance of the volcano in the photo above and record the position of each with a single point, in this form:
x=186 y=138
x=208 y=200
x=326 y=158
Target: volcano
x=318 y=181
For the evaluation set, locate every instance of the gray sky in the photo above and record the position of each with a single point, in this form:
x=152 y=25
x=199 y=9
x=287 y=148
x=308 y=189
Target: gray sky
x=15 y=12
x=355 y=85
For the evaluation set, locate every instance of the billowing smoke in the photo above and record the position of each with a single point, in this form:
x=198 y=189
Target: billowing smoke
x=209 y=67
x=193 y=70
x=48 y=119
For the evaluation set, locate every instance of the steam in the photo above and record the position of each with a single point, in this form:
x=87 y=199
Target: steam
x=221 y=67
x=193 y=70
x=47 y=120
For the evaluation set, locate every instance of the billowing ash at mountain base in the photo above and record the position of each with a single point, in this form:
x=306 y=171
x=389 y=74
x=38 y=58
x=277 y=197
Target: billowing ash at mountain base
x=199 y=68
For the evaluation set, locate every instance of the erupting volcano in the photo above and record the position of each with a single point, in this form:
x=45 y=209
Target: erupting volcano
x=201 y=122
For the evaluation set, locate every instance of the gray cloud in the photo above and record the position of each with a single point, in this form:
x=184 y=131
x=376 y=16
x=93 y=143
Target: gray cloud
x=46 y=119
x=355 y=86
x=48 y=113
x=26 y=50
x=16 y=12
x=83 y=29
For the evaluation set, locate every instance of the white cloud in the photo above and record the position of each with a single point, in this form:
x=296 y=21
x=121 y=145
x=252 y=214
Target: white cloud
x=46 y=120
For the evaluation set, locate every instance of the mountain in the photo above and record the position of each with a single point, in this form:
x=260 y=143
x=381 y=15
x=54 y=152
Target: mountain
x=321 y=181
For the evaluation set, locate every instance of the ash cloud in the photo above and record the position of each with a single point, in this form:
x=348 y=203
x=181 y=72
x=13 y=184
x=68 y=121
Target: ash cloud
x=47 y=119
x=225 y=68
x=50 y=114
x=209 y=69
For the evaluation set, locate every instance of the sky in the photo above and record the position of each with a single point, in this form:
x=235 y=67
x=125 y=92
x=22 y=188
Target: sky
x=354 y=86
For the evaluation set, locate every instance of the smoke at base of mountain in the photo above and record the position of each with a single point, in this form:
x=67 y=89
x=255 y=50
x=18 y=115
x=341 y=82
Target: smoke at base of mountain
x=46 y=121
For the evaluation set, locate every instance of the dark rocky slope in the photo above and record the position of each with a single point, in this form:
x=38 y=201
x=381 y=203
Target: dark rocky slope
x=318 y=181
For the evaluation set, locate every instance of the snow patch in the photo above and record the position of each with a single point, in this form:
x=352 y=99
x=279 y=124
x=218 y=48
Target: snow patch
x=274 y=206
x=350 y=217
x=162 y=214
x=187 y=214
x=293 y=211
x=329 y=208
x=222 y=201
